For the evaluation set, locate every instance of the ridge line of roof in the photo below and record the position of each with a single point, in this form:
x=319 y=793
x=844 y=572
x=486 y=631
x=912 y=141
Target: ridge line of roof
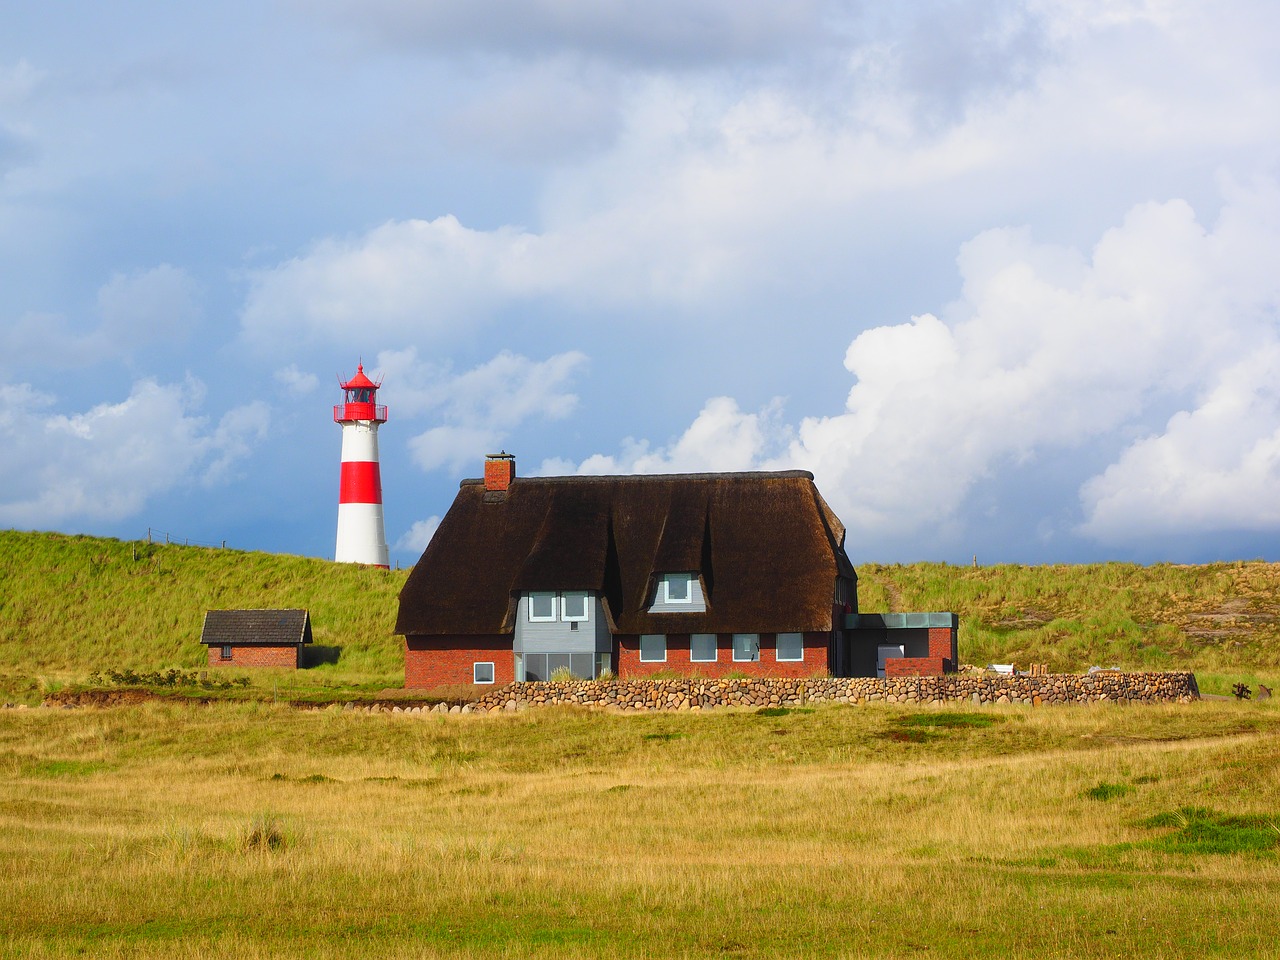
x=732 y=475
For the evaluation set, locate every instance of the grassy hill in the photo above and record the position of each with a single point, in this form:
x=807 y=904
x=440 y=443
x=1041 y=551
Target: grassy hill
x=70 y=605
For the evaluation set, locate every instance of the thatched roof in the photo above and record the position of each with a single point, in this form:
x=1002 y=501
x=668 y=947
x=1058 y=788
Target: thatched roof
x=256 y=627
x=766 y=545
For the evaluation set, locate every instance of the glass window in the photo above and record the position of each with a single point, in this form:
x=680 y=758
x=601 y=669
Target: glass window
x=653 y=648
x=573 y=605
x=702 y=648
x=482 y=673
x=535 y=667
x=604 y=661
x=746 y=646
x=580 y=664
x=791 y=646
x=226 y=651
x=677 y=585
x=542 y=606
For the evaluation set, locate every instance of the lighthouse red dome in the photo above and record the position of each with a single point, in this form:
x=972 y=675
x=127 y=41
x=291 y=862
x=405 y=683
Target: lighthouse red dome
x=361 y=400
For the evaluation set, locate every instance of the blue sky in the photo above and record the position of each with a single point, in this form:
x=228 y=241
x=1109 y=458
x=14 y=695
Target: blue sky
x=1002 y=275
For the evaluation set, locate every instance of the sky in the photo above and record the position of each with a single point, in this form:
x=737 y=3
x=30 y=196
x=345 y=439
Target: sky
x=1005 y=276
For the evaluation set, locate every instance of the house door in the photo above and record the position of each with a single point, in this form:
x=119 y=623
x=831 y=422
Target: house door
x=887 y=651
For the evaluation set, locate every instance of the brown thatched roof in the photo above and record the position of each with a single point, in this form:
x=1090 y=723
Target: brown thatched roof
x=256 y=627
x=767 y=546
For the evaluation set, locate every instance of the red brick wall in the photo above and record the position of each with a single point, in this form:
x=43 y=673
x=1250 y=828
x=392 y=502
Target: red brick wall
x=914 y=666
x=815 y=662
x=448 y=661
x=256 y=656
x=499 y=473
x=942 y=643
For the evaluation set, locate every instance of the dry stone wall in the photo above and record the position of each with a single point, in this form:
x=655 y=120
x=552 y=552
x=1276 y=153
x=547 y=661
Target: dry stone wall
x=702 y=694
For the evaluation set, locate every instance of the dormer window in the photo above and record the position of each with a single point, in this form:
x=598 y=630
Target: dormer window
x=573 y=606
x=675 y=588
x=543 y=607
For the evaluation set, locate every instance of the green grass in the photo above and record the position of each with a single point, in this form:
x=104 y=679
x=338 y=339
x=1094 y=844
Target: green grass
x=256 y=830
x=72 y=605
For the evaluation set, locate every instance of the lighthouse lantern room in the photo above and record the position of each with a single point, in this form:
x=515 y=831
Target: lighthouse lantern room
x=361 y=536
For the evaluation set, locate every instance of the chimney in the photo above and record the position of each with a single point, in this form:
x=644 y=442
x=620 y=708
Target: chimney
x=499 y=471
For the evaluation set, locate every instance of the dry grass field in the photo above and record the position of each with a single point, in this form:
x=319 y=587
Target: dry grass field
x=253 y=830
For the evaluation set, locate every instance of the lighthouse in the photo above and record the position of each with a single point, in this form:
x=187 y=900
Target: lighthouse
x=361 y=538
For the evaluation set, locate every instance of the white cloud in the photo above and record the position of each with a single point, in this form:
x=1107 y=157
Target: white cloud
x=134 y=310
x=481 y=407
x=1214 y=468
x=107 y=462
x=419 y=535
x=295 y=381
x=1049 y=350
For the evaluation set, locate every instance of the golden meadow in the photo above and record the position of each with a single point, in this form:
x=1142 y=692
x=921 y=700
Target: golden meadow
x=251 y=828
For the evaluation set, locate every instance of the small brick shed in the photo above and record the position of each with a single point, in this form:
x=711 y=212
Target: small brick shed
x=256 y=638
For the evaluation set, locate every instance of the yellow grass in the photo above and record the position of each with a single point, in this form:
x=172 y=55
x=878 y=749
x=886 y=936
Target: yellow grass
x=253 y=830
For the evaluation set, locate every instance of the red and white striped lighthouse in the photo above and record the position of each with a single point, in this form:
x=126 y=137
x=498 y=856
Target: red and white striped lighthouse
x=361 y=538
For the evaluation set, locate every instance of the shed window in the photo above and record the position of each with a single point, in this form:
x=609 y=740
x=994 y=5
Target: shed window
x=702 y=648
x=790 y=646
x=226 y=651
x=542 y=606
x=746 y=646
x=482 y=673
x=653 y=648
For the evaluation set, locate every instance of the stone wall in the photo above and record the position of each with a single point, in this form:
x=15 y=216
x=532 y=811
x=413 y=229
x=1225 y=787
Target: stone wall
x=701 y=694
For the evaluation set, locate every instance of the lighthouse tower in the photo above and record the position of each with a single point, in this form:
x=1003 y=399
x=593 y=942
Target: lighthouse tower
x=361 y=538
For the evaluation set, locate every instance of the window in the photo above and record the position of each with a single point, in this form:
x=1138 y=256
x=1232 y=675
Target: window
x=702 y=648
x=653 y=648
x=482 y=673
x=790 y=646
x=573 y=605
x=542 y=607
x=746 y=646
x=676 y=588
x=226 y=651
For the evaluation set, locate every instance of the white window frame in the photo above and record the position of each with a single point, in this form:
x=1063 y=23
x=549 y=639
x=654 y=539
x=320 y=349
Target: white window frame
x=586 y=606
x=555 y=606
x=475 y=672
x=715 y=648
x=777 y=647
x=660 y=636
x=756 y=638
x=666 y=588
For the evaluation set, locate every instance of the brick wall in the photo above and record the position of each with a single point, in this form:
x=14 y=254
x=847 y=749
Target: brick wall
x=449 y=661
x=915 y=666
x=815 y=662
x=943 y=642
x=257 y=656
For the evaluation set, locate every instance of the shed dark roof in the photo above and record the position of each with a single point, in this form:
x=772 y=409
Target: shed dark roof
x=256 y=627
x=767 y=546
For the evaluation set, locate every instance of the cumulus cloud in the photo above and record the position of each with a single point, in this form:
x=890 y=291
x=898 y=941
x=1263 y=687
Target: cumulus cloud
x=107 y=462
x=1050 y=349
x=480 y=407
x=417 y=537
x=296 y=381
x=133 y=310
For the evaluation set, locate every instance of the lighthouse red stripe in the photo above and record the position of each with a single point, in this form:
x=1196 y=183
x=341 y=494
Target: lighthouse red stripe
x=361 y=482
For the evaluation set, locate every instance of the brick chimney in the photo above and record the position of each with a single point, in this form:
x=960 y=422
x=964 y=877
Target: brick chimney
x=499 y=471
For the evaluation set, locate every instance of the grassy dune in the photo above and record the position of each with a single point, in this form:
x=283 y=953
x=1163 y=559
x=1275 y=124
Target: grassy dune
x=73 y=604
x=253 y=830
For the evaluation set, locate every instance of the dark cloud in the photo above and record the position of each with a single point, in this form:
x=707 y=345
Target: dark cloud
x=661 y=32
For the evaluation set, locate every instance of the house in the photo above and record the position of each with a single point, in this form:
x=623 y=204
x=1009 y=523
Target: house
x=691 y=574
x=256 y=638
